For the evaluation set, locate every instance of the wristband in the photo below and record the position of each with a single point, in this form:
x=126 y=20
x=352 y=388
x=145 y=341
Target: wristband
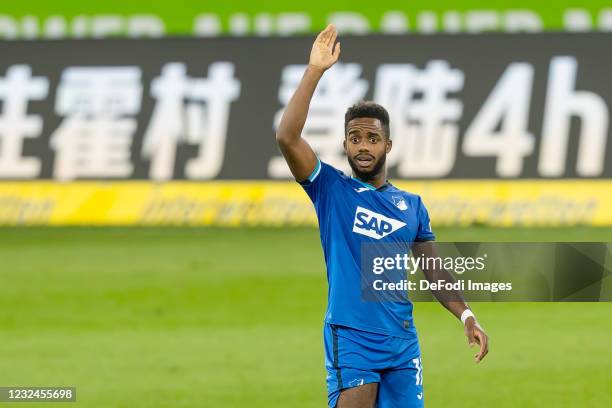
x=466 y=314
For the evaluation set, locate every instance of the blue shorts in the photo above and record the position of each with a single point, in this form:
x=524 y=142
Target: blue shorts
x=354 y=357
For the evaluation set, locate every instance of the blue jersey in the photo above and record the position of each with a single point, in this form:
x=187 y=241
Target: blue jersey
x=352 y=213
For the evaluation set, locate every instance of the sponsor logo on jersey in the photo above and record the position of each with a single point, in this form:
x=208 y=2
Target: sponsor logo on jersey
x=374 y=225
x=399 y=202
x=362 y=189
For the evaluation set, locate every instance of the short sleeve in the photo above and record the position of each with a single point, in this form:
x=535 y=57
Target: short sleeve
x=424 y=232
x=319 y=181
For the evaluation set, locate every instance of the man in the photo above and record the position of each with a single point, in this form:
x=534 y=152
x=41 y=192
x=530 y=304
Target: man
x=372 y=351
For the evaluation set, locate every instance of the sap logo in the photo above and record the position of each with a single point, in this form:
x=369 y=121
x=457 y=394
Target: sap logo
x=374 y=225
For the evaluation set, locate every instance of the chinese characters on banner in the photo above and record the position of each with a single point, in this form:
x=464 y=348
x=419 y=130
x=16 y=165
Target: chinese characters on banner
x=100 y=108
x=190 y=110
x=425 y=111
x=17 y=88
x=213 y=117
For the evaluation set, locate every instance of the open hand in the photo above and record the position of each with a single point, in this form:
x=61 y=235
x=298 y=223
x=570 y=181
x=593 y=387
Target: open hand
x=324 y=54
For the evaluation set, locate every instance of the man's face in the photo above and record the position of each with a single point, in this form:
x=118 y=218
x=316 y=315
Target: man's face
x=366 y=147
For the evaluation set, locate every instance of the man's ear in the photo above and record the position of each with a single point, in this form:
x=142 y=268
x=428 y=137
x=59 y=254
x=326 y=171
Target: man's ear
x=389 y=145
x=344 y=144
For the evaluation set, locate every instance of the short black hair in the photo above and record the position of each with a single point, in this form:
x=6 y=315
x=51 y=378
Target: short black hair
x=368 y=109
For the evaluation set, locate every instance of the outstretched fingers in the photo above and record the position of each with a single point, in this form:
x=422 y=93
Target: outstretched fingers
x=332 y=36
x=336 y=53
x=324 y=35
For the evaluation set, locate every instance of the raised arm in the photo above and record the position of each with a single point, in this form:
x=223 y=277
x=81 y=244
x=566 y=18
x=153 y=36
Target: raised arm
x=298 y=153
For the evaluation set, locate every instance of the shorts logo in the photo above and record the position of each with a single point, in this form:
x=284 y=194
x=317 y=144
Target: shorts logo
x=356 y=382
x=374 y=225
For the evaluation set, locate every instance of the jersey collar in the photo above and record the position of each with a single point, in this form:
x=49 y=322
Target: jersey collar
x=384 y=187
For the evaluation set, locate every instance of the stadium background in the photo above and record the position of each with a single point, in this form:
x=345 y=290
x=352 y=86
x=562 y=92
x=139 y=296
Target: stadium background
x=219 y=300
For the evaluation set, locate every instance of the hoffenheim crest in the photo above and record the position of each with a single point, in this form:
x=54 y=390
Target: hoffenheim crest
x=399 y=202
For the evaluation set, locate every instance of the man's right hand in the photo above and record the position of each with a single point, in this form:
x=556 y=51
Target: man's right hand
x=324 y=54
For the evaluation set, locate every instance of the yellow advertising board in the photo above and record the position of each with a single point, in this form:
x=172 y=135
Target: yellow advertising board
x=269 y=203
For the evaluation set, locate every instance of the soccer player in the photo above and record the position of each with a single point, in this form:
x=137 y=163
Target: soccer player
x=371 y=348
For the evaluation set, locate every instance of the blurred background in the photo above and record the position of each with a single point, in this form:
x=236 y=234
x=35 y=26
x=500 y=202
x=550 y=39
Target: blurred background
x=155 y=252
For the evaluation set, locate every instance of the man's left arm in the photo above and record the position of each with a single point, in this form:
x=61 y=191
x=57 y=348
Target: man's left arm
x=453 y=299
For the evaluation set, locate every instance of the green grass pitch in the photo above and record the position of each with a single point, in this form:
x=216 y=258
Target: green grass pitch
x=184 y=317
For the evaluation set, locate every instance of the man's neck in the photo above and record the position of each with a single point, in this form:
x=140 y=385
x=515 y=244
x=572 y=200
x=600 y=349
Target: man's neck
x=377 y=181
